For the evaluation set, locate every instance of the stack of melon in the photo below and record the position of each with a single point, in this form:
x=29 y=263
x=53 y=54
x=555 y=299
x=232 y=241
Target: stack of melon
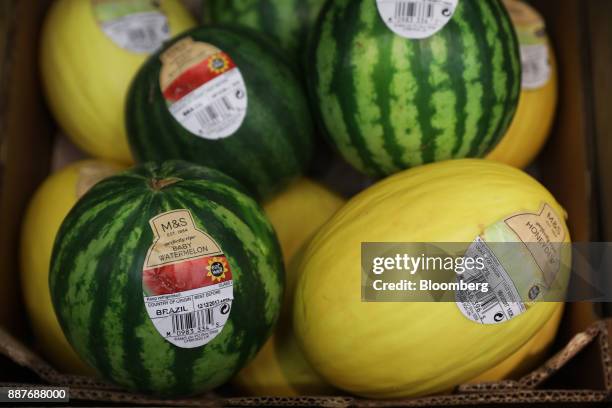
x=214 y=259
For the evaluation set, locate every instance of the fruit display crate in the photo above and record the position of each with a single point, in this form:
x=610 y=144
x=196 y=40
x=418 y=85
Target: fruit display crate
x=581 y=372
x=573 y=166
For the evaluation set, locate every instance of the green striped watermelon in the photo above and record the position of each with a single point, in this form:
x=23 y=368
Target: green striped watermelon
x=389 y=102
x=254 y=125
x=286 y=21
x=135 y=247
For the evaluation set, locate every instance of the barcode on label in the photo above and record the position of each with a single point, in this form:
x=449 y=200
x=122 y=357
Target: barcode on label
x=531 y=67
x=411 y=11
x=199 y=319
x=215 y=113
x=143 y=36
x=484 y=301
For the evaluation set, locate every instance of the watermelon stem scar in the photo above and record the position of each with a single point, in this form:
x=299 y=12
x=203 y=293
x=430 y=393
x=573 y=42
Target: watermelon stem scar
x=159 y=184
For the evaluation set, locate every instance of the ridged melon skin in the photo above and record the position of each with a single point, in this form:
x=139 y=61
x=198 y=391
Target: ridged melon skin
x=406 y=349
x=272 y=147
x=96 y=278
x=389 y=103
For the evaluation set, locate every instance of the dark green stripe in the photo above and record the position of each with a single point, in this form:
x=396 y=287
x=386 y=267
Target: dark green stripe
x=267 y=17
x=420 y=69
x=62 y=254
x=346 y=25
x=303 y=11
x=511 y=52
x=386 y=69
x=476 y=20
x=456 y=64
x=135 y=312
x=313 y=80
x=104 y=276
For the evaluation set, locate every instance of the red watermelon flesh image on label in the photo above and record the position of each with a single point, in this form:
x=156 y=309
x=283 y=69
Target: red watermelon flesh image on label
x=187 y=281
x=196 y=76
x=203 y=88
x=187 y=275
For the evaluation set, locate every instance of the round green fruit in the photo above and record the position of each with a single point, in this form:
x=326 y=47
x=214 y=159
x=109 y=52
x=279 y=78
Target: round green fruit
x=167 y=279
x=392 y=98
x=224 y=98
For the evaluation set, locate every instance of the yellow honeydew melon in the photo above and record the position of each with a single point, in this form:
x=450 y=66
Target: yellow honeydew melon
x=86 y=74
x=534 y=117
x=46 y=211
x=406 y=349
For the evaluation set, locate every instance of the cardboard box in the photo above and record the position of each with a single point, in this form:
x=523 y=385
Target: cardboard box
x=580 y=372
x=588 y=353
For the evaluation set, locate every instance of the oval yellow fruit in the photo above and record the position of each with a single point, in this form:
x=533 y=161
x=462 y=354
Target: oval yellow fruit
x=534 y=117
x=298 y=212
x=89 y=53
x=405 y=349
x=280 y=369
x=46 y=211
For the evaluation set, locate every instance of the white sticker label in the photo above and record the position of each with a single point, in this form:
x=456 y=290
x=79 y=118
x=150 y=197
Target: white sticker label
x=187 y=281
x=416 y=19
x=501 y=302
x=535 y=53
x=192 y=318
x=216 y=109
x=536 y=68
x=138 y=26
x=204 y=89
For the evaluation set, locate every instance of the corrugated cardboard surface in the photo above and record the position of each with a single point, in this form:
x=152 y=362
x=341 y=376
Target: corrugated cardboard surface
x=590 y=348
